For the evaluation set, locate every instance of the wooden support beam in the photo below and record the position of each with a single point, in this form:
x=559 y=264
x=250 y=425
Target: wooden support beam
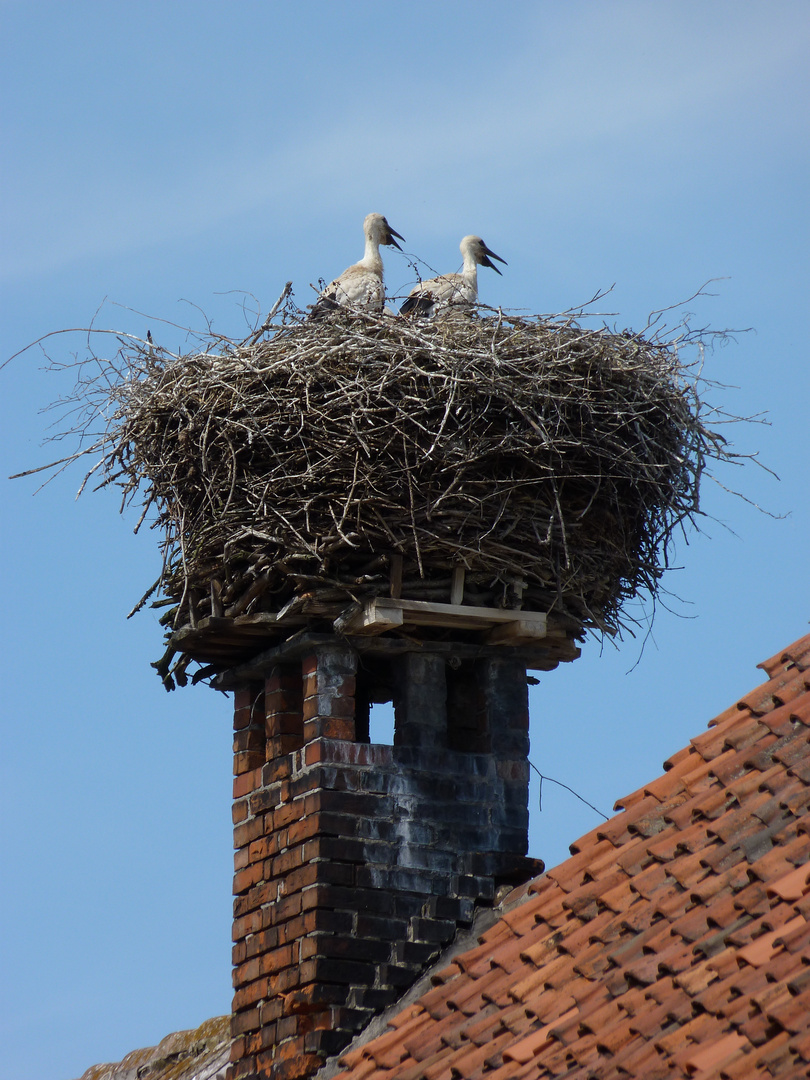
x=519 y=632
x=383 y=613
x=374 y=617
x=457 y=585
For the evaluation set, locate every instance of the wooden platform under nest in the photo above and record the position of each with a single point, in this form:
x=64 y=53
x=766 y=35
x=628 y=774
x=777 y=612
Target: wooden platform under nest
x=382 y=625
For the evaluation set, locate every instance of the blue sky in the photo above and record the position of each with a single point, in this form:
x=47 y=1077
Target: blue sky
x=164 y=154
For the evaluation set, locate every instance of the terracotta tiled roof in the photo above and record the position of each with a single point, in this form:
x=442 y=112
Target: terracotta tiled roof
x=675 y=942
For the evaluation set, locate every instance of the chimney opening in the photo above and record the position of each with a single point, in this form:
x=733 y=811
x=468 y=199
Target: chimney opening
x=381 y=723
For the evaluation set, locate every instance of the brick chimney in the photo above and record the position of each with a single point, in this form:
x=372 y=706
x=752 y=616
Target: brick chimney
x=356 y=863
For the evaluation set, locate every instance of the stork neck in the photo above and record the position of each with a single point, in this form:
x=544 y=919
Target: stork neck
x=470 y=271
x=371 y=256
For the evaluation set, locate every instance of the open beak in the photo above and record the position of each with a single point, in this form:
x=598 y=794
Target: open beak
x=391 y=242
x=486 y=262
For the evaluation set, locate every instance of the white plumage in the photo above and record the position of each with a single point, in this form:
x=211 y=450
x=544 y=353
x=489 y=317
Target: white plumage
x=429 y=297
x=361 y=285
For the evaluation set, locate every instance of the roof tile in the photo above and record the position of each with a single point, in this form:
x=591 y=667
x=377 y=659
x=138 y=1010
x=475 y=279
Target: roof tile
x=688 y=871
x=762 y=949
x=792 y=885
x=674 y=942
x=717 y=1052
x=800 y=1044
x=528 y=1048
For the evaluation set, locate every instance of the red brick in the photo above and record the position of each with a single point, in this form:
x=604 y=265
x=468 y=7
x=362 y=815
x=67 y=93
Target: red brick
x=249 y=830
x=239 y=811
x=243 y=697
x=241 y=858
x=254 y=1043
x=340 y=686
x=316 y=1020
x=248 y=707
x=314 y=753
x=302 y=829
x=309 y=664
x=336 y=848
x=343 y=802
x=286 y=908
x=282 y=680
x=310 y=684
x=238 y=952
x=289 y=812
x=283 y=703
x=277 y=769
x=289 y=860
x=247 y=996
x=279 y=746
x=294 y=1066
x=300 y=975
x=313 y=998
x=293 y=929
x=237 y=1056
x=330 y=727
x=281 y=834
x=247 y=761
x=289 y=1049
x=271 y=1010
x=245 y=783
x=251 y=923
x=245 y=879
x=287 y=1027
x=263 y=799
x=268 y=1036
x=250 y=739
x=325 y=823
x=276 y=960
x=299 y=879
x=346 y=947
x=255 y=898
x=247 y=972
x=324 y=705
x=246 y=721
x=243 y=1022
x=263 y=941
x=263 y=848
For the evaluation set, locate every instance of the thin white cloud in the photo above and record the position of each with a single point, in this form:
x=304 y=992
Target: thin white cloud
x=640 y=77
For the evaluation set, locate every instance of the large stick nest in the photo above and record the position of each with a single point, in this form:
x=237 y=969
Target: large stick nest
x=311 y=465
x=551 y=461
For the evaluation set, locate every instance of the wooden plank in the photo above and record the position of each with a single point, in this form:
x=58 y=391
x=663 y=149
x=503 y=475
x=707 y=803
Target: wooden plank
x=519 y=632
x=374 y=617
x=427 y=613
x=262 y=620
x=385 y=613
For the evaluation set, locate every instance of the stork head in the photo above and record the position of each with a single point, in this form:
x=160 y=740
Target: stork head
x=476 y=247
x=377 y=228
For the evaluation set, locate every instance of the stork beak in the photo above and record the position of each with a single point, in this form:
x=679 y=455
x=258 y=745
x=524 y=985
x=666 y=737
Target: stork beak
x=391 y=242
x=486 y=262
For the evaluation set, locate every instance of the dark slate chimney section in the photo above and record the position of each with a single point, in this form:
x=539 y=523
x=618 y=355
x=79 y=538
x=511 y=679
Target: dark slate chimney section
x=356 y=863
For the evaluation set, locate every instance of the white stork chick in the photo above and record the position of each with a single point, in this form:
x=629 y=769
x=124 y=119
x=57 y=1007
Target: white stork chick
x=429 y=297
x=361 y=285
